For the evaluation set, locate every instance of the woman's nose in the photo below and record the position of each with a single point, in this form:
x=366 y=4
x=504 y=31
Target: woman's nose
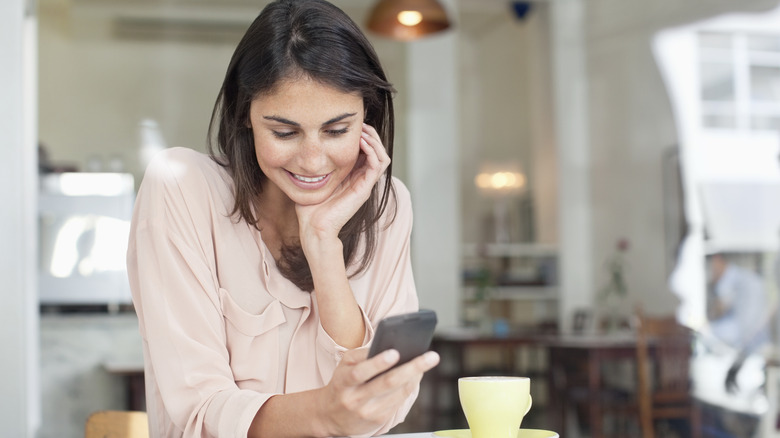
x=311 y=155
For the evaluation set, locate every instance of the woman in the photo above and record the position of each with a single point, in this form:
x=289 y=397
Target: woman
x=258 y=274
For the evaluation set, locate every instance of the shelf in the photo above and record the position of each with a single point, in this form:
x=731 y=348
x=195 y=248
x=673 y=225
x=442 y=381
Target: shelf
x=510 y=250
x=516 y=292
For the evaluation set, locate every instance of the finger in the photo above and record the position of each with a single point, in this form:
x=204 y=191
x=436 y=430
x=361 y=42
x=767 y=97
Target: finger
x=370 y=152
x=422 y=363
x=375 y=141
x=376 y=155
x=371 y=130
x=362 y=158
x=409 y=372
x=366 y=370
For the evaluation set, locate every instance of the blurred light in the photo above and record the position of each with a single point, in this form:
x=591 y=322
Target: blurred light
x=89 y=184
x=500 y=181
x=407 y=20
x=89 y=244
x=410 y=18
x=66 y=253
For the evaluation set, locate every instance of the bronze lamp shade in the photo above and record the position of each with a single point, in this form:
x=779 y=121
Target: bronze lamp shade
x=407 y=19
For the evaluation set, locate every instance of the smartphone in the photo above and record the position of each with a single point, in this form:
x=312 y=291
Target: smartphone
x=410 y=333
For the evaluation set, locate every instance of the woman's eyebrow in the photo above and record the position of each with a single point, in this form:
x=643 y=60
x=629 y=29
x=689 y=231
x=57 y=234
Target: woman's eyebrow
x=296 y=124
x=338 y=118
x=282 y=120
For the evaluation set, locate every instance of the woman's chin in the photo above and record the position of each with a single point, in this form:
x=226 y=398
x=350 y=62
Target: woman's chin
x=310 y=199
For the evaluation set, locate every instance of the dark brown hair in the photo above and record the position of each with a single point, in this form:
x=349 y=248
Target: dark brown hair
x=301 y=38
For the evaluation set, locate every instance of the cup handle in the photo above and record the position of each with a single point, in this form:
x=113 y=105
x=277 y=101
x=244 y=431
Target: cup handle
x=530 y=402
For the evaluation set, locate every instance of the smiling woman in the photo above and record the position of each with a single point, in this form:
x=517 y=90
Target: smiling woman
x=307 y=139
x=260 y=272
x=307 y=156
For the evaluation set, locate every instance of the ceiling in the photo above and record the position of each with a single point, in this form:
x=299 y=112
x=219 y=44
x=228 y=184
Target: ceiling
x=464 y=5
x=228 y=19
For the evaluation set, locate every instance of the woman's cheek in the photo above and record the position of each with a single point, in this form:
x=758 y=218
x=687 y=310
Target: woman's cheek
x=348 y=152
x=271 y=154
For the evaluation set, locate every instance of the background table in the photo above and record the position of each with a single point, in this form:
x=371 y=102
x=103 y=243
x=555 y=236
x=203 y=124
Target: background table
x=555 y=358
x=570 y=354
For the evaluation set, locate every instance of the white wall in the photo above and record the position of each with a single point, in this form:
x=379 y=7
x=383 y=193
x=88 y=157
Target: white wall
x=433 y=166
x=19 y=404
x=494 y=112
x=96 y=88
x=572 y=127
x=544 y=154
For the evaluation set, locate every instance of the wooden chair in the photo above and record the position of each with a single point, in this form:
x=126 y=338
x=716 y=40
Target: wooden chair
x=117 y=424
x=664 y=387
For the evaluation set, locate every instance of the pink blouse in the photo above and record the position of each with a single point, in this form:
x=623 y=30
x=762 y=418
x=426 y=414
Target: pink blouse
x=222 y=329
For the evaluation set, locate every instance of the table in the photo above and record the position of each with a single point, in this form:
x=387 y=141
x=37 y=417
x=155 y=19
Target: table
x=461 y=339
x=411 y=435
x=565 y=352
x=588 y=352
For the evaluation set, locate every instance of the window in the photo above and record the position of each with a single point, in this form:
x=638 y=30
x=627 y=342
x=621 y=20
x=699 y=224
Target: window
x=739 y=75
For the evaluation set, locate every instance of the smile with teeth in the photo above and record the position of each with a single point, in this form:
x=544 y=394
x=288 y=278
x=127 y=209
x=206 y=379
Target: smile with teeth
x=307 y=179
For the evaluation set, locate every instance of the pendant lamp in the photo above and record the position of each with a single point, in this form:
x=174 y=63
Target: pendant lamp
x=407 y=20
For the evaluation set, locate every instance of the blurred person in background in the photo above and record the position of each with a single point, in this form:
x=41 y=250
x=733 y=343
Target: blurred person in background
x=740 y=314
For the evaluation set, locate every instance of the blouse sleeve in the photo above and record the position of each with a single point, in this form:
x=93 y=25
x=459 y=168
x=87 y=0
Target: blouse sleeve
x=394 y=281
x=177 y=301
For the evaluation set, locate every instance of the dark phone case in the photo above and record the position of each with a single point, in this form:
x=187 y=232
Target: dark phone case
x=411 y=334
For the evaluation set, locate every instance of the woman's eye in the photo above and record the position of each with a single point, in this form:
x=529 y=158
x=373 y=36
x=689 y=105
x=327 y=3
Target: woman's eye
x=285 y=134
x=337 y=131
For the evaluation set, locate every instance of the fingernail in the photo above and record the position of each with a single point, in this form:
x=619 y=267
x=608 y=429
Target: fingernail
x=432 y=358
x=390 y=356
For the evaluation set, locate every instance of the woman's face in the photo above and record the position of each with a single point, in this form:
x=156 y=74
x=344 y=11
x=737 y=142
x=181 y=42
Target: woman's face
x=307 y=138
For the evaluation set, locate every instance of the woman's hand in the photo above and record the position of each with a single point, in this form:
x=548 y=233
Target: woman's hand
x=351 y=404
x=324 y=220
x=355 y=404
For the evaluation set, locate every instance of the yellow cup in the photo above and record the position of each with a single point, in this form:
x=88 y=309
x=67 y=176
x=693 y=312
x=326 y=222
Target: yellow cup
x=494 y=405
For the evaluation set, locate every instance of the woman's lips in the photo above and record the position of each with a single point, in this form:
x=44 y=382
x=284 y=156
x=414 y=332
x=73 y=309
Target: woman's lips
x=309 y=182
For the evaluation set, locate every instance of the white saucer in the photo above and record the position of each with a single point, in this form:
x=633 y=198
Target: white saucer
x=522 y=433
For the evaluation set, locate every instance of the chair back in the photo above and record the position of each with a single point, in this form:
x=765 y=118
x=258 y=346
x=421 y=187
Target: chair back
x=117 y=424
x=664 y=388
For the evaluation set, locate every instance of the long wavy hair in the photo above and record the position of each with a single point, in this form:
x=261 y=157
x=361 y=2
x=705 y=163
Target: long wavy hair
x=293 y=39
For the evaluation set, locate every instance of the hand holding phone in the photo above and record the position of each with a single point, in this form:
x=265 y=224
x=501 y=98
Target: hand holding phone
x=410 y=334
